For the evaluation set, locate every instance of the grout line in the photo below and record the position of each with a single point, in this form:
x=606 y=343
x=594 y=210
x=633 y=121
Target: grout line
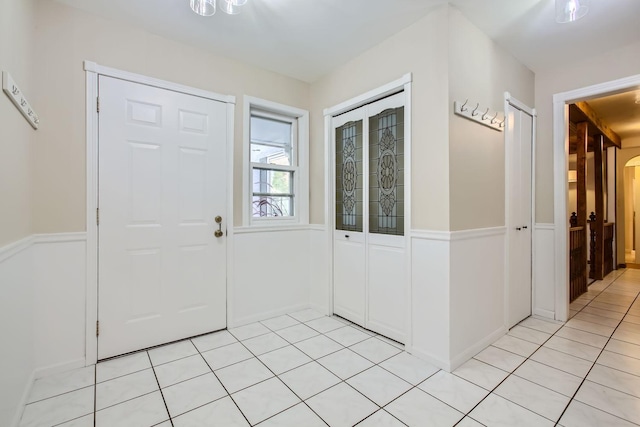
x=160 y=389
x=223 y=386
x=599 y=354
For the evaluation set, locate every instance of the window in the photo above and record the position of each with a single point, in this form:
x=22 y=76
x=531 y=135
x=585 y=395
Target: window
x=276 y=154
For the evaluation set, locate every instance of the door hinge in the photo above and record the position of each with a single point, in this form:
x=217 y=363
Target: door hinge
x=98 y=104
x=97 y=328
x=97 y=216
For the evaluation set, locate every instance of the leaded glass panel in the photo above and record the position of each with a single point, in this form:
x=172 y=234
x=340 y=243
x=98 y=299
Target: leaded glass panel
x=349 y=177
x=386 y=172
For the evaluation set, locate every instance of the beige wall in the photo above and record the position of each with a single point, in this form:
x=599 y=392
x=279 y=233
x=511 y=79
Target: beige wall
x=628 y=152
x=422 y=50
x=16 y=135
x=480 y=71
x=65 y=38
x=615 y=64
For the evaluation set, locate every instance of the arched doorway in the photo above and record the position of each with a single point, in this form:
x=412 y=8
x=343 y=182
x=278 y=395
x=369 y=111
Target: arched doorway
x=631 y=235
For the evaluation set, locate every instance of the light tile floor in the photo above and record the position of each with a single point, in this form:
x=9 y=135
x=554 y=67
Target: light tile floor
x=308 y=370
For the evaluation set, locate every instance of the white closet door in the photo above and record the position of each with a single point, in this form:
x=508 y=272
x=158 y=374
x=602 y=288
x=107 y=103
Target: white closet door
x=162 y=181
x=370 y=269
x=387 y=270
x=519 y=145
x=349 y=276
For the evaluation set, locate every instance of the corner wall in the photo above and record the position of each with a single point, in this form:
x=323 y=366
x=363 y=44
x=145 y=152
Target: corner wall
x=457 y=174
x=16 y=135
x=42 y=321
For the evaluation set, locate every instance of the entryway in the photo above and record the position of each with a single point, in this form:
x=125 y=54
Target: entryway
x=162 y=207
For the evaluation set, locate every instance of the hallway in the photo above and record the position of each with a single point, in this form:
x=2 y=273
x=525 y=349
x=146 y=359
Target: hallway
x=305 y=369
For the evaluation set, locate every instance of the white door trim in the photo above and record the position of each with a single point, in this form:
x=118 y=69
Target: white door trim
x=93 y=70
x=404 y=84
x=560 y=170
x=510 y=100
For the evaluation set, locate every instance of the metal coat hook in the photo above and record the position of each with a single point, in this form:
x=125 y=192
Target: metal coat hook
x=482 y=117
x=502 y=122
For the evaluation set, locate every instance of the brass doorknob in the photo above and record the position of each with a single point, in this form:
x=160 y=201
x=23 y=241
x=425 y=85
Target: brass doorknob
x=218 y=233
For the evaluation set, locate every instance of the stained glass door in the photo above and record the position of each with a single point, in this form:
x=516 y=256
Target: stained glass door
x=387 y=284
x=349 y=239
x=370 y=277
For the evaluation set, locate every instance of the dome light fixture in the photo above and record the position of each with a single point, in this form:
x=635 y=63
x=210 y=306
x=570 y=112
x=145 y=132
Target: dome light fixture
x=208 y=7
x=571 y=10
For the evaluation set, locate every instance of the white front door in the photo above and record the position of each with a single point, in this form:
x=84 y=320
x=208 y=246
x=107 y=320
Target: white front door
x=519 y=140
x=161 y=183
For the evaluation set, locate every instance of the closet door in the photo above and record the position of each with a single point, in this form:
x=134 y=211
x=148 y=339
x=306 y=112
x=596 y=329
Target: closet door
x=519 y=138
x=370 y=269
x=349 y=284
x=387 y=272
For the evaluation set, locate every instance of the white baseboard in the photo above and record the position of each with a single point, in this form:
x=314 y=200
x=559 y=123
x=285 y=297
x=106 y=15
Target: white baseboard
x=59 y=367
x=322 y=309
x=429 y=358
x=23 y=400
x=476 y=348
x=544 y=313
x=234 y=323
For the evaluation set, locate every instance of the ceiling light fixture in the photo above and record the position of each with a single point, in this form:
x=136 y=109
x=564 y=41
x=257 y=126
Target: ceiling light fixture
x=208 y=7
x=571 y=10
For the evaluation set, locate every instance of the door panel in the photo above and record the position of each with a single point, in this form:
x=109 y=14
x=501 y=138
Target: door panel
x=162 y=181
x=519 y=146
x=349 y=292
x=387 y=292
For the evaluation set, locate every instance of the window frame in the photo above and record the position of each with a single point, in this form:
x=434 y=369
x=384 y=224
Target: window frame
x=299 y=161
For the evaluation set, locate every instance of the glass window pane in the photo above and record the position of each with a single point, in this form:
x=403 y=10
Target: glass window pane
x=268 y=181
x=272 y=206
x=386 y=172
x=349 y=179
x=271 y=141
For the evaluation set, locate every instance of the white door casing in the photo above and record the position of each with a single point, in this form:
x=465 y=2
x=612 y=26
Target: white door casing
x=370 y=283
x=162 y=181
x=519 y=150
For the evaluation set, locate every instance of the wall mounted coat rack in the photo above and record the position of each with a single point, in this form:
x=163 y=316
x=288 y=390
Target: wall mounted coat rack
x=16 y=96
x=493 y=119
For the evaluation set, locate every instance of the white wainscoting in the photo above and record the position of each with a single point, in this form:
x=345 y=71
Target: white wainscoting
x=430 y=277
x=477 y=291
x=458 y=293
x=544 y=271
x=42 y=314
x=17 y=364
x=319 y=270
x=270 y=276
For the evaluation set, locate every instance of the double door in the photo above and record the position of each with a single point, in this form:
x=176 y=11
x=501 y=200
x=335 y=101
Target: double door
x=370 y=278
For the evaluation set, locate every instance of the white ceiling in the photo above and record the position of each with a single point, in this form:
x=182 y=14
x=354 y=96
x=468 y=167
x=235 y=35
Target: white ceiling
x=306 y=39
